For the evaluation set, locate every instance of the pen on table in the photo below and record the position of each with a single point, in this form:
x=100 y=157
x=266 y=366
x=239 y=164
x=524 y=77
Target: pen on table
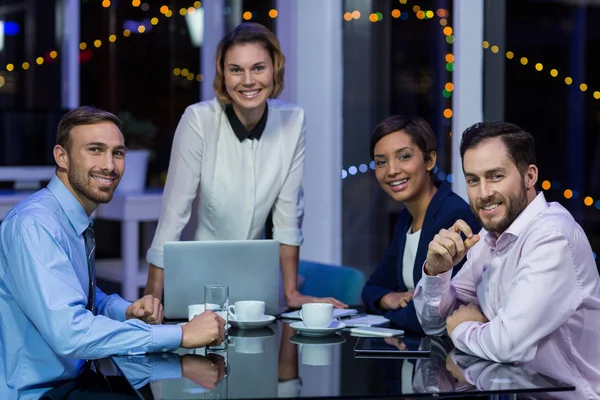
x=352 y=316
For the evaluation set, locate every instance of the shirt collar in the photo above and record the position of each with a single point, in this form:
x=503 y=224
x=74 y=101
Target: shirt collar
x=70 y=205
x=240 y=130
x=538 y=205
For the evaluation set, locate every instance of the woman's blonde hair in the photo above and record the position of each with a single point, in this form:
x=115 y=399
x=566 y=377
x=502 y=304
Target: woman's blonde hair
x=249 y=32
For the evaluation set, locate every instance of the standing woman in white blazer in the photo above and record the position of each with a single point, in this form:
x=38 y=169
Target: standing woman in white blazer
x=244 y=150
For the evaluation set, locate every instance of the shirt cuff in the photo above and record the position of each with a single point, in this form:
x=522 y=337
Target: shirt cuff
x=290 y=237
x=165 y=338
x=117 y=307
x=156 y=257
x=435 y=285
x=459 y=336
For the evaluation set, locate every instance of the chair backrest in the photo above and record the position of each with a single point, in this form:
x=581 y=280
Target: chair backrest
x=325 y=280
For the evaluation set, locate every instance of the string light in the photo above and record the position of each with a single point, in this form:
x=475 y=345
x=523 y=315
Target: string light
x=422 y=15
x=546 y=185
x=540 y=68
x=396 y=13
x=185 y=73
x=112 y=38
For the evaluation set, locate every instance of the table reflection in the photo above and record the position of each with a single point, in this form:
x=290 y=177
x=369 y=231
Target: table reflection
x=277 y=362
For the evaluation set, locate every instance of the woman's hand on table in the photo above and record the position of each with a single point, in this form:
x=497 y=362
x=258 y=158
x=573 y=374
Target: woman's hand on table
x=296 y=300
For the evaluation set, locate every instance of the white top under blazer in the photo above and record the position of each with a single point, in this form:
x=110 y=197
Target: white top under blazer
x=240 y=180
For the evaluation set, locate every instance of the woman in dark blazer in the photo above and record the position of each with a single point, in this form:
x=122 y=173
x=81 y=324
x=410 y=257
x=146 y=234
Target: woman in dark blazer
x=404 y=151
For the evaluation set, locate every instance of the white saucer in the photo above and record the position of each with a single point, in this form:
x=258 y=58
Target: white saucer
x=318 y=341
x=302 y=329
x=251 y=324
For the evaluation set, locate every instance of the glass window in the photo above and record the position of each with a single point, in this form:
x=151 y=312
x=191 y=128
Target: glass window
x=30 y=77
x=397 y=60
x=541 y=58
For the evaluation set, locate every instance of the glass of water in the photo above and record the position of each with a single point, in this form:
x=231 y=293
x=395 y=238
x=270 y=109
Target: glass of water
x=216 y=299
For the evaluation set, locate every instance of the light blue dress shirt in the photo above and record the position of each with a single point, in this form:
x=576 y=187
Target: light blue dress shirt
x=46 y=332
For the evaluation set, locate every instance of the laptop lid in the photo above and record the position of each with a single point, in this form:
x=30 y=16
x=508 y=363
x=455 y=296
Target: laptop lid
x=249 y=267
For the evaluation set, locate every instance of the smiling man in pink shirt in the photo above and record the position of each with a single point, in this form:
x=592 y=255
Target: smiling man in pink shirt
x=530 y=290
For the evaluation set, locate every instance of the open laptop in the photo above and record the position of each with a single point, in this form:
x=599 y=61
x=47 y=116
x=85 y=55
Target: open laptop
x=249 y=267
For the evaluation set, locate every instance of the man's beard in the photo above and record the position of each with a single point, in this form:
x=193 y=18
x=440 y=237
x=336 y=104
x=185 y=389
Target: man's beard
x=80 y=183
x=514 y=205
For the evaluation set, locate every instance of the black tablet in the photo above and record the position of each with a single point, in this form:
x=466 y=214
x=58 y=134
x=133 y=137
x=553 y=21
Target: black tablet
x=405 y=347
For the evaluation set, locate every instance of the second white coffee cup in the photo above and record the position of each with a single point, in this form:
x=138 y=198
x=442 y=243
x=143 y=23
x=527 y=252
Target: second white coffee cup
x=248 y=310
x=317 y=315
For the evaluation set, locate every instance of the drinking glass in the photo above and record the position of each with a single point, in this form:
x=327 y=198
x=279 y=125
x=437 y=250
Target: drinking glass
x=216 y=299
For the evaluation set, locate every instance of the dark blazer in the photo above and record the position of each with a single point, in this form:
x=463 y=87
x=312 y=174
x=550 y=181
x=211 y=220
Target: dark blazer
x=444 y=209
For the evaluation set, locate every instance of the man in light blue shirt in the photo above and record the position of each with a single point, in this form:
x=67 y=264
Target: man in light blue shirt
x=52 y=316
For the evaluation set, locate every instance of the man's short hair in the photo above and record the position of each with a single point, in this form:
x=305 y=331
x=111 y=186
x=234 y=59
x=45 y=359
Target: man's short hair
x=84 y=115
x=520 y=144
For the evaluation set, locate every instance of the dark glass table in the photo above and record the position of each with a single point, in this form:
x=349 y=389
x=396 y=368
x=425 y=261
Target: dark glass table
x=276 y=362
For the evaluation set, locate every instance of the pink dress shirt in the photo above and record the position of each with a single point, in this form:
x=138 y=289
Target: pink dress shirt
x=538 y=286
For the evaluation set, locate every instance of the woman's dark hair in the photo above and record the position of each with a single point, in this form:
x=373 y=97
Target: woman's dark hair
x=416 y=127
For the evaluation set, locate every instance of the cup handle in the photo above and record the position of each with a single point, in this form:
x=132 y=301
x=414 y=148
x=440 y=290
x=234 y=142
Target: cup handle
x=301 y=317
x=231 y=309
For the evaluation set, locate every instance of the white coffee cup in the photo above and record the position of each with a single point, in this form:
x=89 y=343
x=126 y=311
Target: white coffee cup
x=317 y=315
x=196 y=309
x=248 y=310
